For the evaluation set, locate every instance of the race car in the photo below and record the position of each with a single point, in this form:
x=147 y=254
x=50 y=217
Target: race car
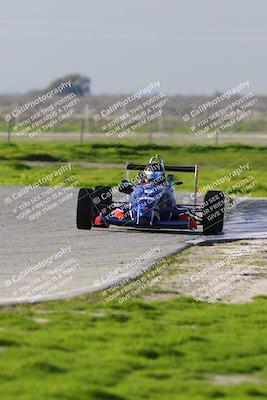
x=150 y=202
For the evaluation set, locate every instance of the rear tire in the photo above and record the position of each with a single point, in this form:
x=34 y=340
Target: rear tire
x=84 y=216
x=213 y=213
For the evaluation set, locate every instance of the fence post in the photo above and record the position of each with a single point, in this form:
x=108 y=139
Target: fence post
x=160 y=121
x=81 y=131
x=86 y=117
x=8 y=132
x=216 y=139
x=150 y=136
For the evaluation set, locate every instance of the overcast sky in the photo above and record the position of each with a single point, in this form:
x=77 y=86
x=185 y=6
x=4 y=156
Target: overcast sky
x=190 y=46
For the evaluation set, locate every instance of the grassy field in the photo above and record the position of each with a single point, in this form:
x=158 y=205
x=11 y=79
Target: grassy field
x=82 y=349
x=86 y=348
x=214 y=162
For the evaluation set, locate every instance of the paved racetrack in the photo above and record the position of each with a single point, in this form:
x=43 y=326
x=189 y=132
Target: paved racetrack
x=43 y=255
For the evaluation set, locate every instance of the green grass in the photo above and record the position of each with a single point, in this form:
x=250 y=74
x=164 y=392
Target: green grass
x=214 y=162
x=100 y=152
x=162 y=350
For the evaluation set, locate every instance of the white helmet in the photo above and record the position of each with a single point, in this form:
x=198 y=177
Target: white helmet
x=154 y=172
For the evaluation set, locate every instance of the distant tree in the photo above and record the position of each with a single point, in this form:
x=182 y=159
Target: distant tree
x=80 y=83
x=217 y=93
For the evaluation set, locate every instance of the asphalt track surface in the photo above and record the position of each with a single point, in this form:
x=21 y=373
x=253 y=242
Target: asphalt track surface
x=43 y=255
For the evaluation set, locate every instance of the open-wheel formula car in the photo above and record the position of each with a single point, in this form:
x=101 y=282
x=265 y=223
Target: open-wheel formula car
x=150 y=202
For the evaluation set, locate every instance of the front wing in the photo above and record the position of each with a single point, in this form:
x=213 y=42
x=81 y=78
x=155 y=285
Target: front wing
x=128 y=222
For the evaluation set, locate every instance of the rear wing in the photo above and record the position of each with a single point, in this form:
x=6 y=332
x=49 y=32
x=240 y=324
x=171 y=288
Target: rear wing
x=173 y=168
x=141 y=167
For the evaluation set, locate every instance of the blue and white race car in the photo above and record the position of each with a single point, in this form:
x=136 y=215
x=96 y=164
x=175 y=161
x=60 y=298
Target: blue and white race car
x=150 y=202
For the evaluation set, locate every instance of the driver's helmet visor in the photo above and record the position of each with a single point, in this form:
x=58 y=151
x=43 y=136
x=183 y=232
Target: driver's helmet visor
x=153 y=175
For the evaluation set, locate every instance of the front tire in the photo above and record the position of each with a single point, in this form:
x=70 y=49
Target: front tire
x=213 y=213
x=84 y=216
